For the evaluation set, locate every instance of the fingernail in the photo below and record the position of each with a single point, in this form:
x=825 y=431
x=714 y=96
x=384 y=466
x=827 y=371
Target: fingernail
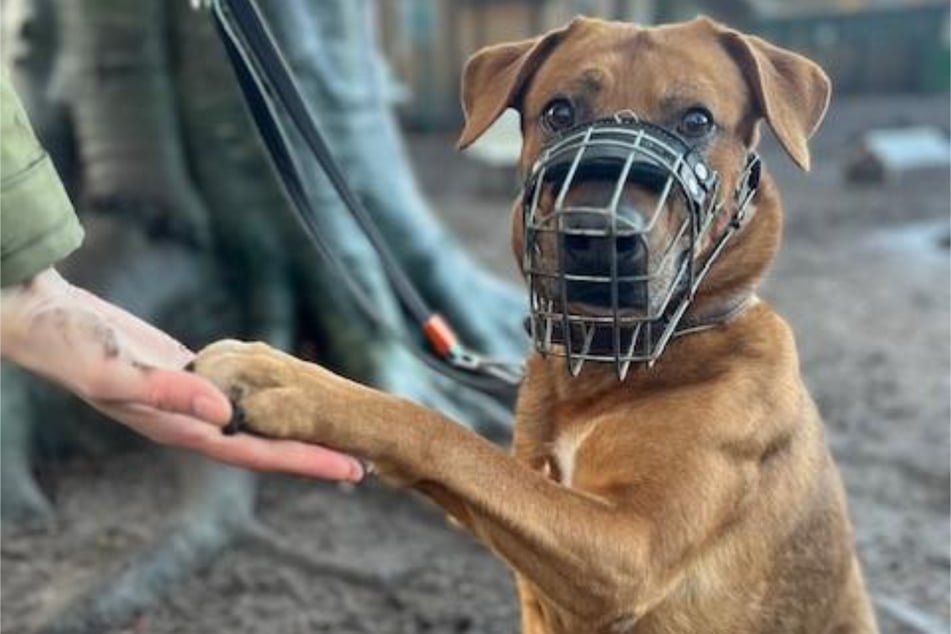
x=206 y=409
x=356 y=471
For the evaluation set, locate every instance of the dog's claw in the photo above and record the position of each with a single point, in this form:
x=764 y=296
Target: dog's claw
x=189 y=367
x=237 y=420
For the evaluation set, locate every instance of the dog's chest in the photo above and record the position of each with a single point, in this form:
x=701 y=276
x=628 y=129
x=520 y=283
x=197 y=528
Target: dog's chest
x=551 y=426
x=557 y=457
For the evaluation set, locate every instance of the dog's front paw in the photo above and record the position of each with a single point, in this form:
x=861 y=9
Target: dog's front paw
x=266 y=388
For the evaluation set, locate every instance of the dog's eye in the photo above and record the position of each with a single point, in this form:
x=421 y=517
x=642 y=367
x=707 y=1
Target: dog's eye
x=697 y=122
x=558 y=115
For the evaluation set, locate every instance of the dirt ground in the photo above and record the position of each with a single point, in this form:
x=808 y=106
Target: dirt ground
x=864 y=280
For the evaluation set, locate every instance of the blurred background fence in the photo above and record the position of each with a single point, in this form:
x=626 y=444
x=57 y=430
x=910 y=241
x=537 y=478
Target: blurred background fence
x=867 y=46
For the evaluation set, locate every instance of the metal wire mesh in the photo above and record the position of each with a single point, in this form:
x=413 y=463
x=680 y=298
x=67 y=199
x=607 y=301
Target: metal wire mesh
x=627 y=151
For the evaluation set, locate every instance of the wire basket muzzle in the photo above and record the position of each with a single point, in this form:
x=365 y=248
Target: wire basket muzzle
x=608 y=282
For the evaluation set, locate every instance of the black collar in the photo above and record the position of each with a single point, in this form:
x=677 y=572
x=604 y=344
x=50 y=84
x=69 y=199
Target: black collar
x=694 y=324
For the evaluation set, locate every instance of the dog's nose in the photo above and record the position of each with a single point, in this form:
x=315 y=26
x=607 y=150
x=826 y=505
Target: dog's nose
x=590 y=247
x=591 y=255
x=589 y=243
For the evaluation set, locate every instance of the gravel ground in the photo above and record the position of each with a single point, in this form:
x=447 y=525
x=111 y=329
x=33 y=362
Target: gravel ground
x=863 y=278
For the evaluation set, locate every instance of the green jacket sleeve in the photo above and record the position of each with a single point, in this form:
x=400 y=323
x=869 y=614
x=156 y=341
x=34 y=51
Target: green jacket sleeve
x=38 y=226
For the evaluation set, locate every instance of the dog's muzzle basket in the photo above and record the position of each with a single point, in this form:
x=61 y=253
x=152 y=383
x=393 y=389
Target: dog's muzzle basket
x=624 y=308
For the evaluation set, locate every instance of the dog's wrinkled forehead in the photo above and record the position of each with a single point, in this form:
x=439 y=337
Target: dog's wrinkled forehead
x=608 y=67
x=657 y=72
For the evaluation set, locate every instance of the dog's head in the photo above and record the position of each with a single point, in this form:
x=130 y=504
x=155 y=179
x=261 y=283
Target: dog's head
x=710 y=85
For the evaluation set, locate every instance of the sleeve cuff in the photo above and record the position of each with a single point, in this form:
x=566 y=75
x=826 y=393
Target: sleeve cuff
x=38 y=226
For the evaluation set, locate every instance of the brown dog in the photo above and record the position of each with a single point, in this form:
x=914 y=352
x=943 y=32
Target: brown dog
x=694 y=496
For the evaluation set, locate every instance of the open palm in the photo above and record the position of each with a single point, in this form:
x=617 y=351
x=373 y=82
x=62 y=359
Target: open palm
x=132 y=372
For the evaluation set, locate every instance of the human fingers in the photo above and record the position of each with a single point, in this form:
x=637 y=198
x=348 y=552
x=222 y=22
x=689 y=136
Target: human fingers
x=243 y=450
x=172 y=391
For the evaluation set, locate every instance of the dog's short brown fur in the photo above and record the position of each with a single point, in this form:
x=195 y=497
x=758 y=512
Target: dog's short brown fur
x=696 y=496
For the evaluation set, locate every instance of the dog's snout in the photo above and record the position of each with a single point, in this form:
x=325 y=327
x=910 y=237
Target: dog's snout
x=594 y=252
x=596 y=215
x=592 y=239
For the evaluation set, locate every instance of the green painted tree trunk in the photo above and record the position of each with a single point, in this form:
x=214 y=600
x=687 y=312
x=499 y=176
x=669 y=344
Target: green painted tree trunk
x=188 y=228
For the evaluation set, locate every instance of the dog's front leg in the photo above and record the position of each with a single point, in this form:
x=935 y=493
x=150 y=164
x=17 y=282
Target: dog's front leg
x=585 y=554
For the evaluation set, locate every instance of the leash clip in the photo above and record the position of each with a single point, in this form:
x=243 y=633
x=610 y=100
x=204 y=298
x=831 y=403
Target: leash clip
x=508 y=372
x=446 y=345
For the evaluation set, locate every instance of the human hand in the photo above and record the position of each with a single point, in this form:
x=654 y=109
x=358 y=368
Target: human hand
x=131 y=371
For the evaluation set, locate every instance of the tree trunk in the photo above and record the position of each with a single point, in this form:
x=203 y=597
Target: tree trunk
x=188 y=228
x=347 y=89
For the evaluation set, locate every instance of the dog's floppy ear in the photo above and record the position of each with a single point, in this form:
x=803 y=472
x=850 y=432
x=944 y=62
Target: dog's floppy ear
x=493 y=79
x=792 y=92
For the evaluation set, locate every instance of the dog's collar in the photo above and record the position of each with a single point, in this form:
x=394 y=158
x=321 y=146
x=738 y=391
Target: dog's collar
x=693 y=325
